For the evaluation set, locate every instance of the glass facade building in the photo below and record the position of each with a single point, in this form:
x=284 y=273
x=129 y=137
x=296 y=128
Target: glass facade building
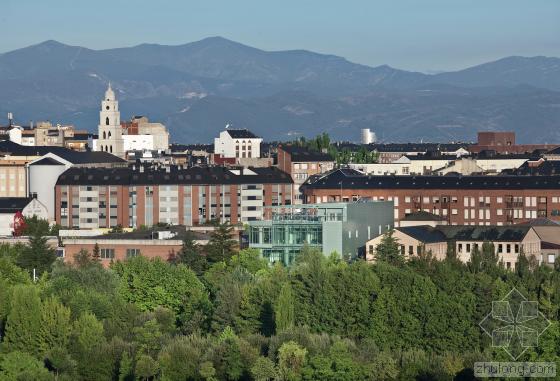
x=343 y=228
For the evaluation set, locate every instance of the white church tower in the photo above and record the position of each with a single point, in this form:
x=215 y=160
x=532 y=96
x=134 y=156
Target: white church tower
x=110 y=130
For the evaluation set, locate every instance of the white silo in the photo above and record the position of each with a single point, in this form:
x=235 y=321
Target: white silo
x=368 y=136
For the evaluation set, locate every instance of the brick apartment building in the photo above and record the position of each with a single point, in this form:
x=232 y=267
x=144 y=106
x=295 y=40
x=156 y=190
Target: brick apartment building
x=461 y=200
x=139 y=195
x=301 y=163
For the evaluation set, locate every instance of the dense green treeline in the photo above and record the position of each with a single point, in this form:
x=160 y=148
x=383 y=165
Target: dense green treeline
x=216 y=314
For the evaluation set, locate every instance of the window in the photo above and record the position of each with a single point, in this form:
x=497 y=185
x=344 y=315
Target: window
x=132 y=253
x=107 y=121
x=410 y=250
x=468 y=247
x=508 y=248
x=551 y=258
x=107 y=253
x=500 y=248
x=104 y=135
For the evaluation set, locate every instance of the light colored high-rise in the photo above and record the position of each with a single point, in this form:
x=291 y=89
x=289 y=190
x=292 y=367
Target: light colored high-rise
x=110 y=131
x=368 y=136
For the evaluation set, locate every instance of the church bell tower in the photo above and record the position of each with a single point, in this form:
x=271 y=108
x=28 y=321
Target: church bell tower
x=110 y=130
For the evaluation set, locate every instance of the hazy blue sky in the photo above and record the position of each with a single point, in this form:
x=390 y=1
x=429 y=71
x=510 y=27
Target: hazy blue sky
x=409 y=34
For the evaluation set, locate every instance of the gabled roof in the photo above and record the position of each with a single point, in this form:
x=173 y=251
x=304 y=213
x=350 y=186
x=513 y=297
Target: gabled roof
x=46 y=161
x=75 y=157
x=241 y=134
x=423 y=233
x=13 y=204
x=537 y=168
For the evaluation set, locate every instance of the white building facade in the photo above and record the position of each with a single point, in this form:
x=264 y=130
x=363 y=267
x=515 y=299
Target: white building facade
x=234 y=143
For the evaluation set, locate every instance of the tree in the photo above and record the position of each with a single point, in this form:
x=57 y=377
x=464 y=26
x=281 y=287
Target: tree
x=16 y=366
x=249 y=259
x=284 y=308
x=36 y=226
x=55 y=326
x=388 y=250
x=96 y=256
x=117 y=229
x=191 y=255
x=489 y=257
x=83 y=258
x=37 y=255
x=146 y=367
x=451 y=253
x=151 y=283
x=60 y=361
x=264 y=369
x=126 y=367
x=207 y=371
x=221 y=246
x=475 y=262
x=24 y=321
x=522 y=267
x=87 y=333
x=291 y=359
x=89 y=347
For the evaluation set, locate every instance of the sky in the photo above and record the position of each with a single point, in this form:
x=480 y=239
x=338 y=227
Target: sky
x=421 y=35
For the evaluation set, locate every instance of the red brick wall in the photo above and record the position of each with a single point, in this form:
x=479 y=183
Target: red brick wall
x=497 y=138
x=284 y=161
x=149 y=251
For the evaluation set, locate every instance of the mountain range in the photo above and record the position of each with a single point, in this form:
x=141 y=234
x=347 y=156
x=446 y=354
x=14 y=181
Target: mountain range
x=196 y=88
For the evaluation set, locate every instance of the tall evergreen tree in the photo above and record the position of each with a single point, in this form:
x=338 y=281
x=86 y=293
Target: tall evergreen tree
x=24 y=321
x=55 y=326
x=388 y=250
x=475 y=261
x=37 y=255
x=489 y=257
x=221 y=246
x=284 y=308
x=191 y=255
x=96 y=255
